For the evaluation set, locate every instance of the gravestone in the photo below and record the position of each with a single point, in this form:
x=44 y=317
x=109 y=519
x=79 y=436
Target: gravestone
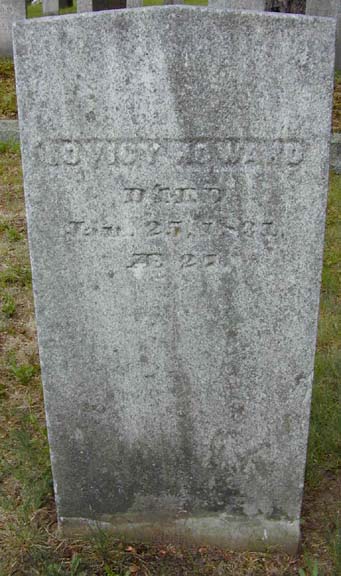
x=176 y=194
x=331 y=8
x=238 y=4
x=139 y=3
x=52 y=7
x=96 y=5
x=289 y=6
x=134 y=3
x=10 y=11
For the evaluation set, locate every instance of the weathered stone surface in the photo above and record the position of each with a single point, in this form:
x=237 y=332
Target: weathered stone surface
x=238 y=4
x=331 y=8
x=96 y=5
x=134 y=3
x=176 y=195
x=335 y=153
x=84 y=6
x=9 y=131
x=50 y=7
x=10 y=11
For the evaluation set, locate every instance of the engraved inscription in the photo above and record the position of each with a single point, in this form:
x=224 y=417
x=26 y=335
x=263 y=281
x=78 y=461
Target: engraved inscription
x=118 y=153
x=164 y=223
x=173 y=229
x=158 y=260
x=153 y=259
x=174 y=195
x=82 y=228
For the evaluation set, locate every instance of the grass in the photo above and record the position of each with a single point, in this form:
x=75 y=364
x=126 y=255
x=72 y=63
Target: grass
x=8 y=102
x=36 y=10
x=29 y=542
x=325 y=431
x=337 y=103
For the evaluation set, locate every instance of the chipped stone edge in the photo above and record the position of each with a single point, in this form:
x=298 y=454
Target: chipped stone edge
x=222 y=530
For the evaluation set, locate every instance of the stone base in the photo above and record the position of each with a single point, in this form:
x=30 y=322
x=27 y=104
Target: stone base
x=222 y=530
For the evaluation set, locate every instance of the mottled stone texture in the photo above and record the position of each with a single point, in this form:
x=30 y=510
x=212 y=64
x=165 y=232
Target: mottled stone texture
x=238 y=4
x=176 y=194
x=52 y=7
x=96 y=5
x=331 y=8
x=134 y=3
x=9 y=131
x=10 y=11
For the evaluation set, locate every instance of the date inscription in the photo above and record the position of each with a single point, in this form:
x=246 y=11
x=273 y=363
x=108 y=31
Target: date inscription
x=176 y=229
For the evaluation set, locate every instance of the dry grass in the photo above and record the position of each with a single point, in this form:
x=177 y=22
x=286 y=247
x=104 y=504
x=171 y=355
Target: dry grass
x=337 y=103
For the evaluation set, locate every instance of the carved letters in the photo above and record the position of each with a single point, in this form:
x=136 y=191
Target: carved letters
x=172 y=229
x=187 y=215
x=184 y=261
x=173 y=195
x=178 y=225
x=115 y=153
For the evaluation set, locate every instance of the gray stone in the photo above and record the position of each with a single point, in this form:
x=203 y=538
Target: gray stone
x=52 y=7
x=172 y=2
x=335 y=153
x=10 y=11
x=134 y=3
x=84 y=6
x=96 y=5
x=176 y=195
x=331 y=8
x=238 y=4
x=9 y=131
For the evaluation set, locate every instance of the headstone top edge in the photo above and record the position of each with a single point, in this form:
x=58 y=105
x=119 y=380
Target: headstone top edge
x=171 y=9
